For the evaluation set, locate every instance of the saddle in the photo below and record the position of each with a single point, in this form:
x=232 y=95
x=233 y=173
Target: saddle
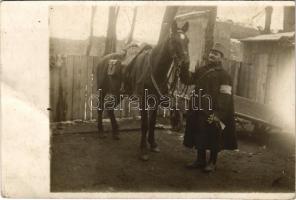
x=122 y=66
x=131 y=68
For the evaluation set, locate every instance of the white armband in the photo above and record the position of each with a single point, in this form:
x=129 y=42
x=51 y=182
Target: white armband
x=225 y=89
x=222 y=125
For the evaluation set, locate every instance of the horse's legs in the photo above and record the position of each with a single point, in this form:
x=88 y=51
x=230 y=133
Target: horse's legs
x=114 y=125
x=144 y=128
x=100 y=124
x=151 y=138
x=100 y=118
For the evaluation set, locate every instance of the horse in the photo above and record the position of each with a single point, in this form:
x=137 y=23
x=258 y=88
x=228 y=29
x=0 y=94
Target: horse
x=172 y=50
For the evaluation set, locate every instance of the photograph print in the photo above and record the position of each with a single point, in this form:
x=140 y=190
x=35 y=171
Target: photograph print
x=169 y=98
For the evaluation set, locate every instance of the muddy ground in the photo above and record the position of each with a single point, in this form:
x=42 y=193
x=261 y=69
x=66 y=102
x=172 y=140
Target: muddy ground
x=81 y=162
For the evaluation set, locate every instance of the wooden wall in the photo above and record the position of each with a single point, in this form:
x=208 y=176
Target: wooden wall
x=72 y=84
x=265 y=63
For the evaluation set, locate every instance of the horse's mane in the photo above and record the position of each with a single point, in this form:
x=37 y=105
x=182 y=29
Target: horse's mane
x=160 y=57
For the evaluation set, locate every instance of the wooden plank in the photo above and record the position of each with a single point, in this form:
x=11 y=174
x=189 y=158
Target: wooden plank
x=83 y=85
x=67 y=87
x=226 y=64
x=263 y=63
x=62 y=99
x=243 y=80
x=253 y=111
x=254 y=119
x=54 y=90
x=248 y=78
x=252 y=81
x=94 y=88
x=76 y=88
x=236 y=76
x=61 y=107
x=90 y=65
x=257 y=82
x=239 y=80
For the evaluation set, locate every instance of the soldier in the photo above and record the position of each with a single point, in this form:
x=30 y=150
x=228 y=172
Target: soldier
x=211 y=126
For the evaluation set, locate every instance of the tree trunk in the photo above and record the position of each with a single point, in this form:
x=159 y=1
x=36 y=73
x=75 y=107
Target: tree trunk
x=110 y=45
x=168 y=18
x=268 y=15
x=90 y=39
x=131 y=33
x=289 y=18
x=209 y=32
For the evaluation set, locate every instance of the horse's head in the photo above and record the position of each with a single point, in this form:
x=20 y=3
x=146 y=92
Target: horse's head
x=178 y=43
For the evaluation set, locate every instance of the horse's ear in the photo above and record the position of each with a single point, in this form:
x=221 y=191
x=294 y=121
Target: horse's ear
x=174 y=27
x=185 y=27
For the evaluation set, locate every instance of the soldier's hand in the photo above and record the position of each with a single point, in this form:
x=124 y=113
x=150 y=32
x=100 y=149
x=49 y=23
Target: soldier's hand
x=212 y=118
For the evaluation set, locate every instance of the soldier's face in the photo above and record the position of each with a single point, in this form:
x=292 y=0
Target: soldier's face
x=214 y=57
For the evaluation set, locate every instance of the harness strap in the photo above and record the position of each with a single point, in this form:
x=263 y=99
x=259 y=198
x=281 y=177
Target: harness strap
x=155 y=85
x=198 y=80
x=154 y=81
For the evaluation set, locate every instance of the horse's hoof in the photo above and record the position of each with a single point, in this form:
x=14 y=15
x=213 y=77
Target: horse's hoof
x=144 y=157
x=155 y=149
x=116 y=137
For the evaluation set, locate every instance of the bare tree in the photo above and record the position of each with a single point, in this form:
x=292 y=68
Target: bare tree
x=289 y=18
x=268 y=16
x=90 y=40
x=110 y=45
x=168 y=18
x=209 y=32
x=131 y=33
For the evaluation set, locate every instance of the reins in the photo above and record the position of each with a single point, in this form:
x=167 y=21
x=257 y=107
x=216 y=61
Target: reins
x=173 y=74
x=172 y=86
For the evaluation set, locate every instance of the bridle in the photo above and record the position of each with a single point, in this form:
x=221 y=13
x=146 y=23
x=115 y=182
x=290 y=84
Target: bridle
x=173 y=73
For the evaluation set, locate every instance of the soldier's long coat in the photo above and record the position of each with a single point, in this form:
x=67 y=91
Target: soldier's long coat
x=213 y=85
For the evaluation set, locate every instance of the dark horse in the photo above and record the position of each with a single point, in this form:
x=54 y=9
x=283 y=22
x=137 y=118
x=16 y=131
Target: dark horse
x=174 y=48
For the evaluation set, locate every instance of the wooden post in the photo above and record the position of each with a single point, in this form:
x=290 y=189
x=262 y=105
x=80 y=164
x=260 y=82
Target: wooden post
x=168 y=18
x=209 y=32
x=268 y=14
x=289 y=18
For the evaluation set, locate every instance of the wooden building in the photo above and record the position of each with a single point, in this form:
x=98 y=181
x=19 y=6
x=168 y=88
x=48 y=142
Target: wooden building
x=270 y=57
x=268 y=71
x=226 y=32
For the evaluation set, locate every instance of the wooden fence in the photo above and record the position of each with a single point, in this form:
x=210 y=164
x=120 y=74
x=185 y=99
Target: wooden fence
x=73 y=82
x=72 y=86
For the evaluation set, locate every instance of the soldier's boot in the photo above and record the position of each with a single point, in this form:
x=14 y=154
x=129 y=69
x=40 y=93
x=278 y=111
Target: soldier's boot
x=211 y=166
x=200 y=162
